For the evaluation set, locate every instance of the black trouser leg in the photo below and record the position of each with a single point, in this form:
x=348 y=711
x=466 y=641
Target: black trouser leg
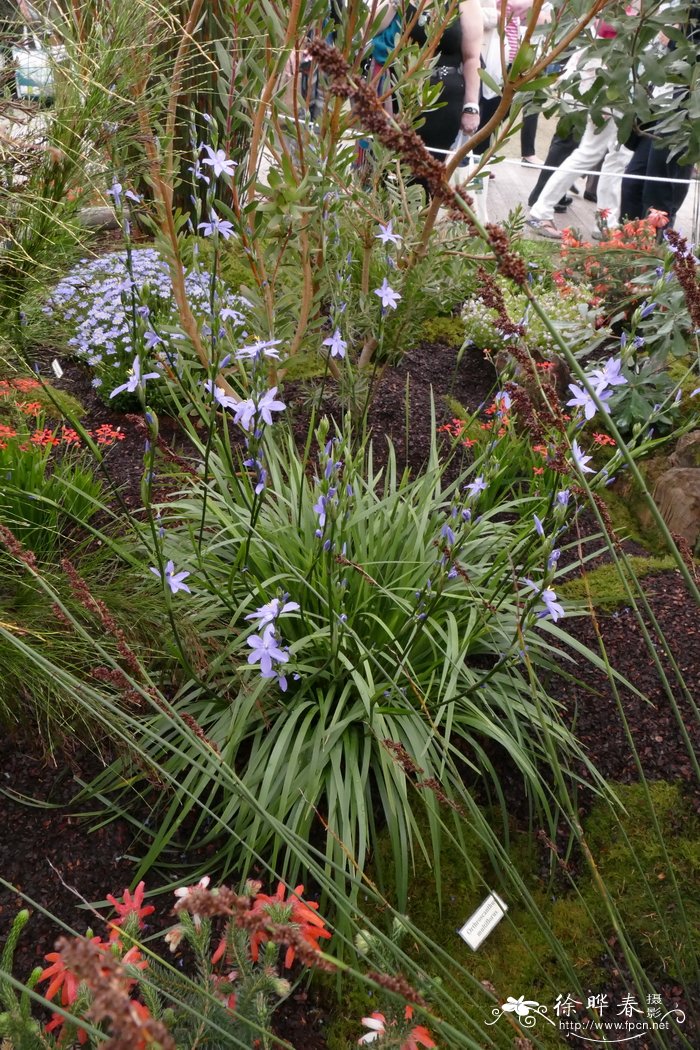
x=528 y=135
x=559 y=150
x=487 y=108
x=632 y=193
x=665 y=196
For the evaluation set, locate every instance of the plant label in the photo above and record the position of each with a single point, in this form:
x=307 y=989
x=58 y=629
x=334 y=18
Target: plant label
x=479 y=925
x=57 y=370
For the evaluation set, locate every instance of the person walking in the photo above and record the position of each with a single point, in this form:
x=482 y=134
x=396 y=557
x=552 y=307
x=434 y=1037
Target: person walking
x=665 y=181
x=458 y=59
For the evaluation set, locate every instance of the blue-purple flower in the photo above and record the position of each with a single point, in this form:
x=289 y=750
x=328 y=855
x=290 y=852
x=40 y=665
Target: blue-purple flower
x=387 y=295
x=220 y=395
x=269 y=612
x=581 y=459
x=216 y=226
x=337 y=344
x=608 y=375
x=218 y=161
x=268 y=404
x=387 y=236
x=266 y=648
x=582 y=399
x=174 y=580
x=135 y=380
x=476 y=486
x=263 y=348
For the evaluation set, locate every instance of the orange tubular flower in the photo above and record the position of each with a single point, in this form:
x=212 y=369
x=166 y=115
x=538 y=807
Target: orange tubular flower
x=129 y=906
x=302 y=914
x=30 y=408
x=61 y=980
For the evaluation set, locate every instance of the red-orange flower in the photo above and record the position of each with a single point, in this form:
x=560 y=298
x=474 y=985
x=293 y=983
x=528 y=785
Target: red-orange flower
x=603 y=439
x=30 y=408
x=44 y=438
x=657 y=219
x=299 y=913
x=129 y=906
x=107 y=434
x=70 y=436
x=61 y=979
x=418 y=1036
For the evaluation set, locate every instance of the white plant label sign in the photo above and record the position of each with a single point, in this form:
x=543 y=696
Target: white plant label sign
x=479 y=925
x=57 y=370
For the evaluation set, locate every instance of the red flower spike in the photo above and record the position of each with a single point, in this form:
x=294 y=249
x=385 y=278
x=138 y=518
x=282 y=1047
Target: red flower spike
x=302 y=915
x=129 y=906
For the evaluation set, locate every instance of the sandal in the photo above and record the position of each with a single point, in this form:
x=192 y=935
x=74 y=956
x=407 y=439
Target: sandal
x=545 y=228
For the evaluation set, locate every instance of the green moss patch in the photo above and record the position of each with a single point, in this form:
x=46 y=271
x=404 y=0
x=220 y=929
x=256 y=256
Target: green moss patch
x=604 y=586
x=449 y=331
x=561 y=940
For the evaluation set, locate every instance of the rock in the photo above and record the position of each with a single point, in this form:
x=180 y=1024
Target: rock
x=687 y=451
x=677 y=495
x=99 y=217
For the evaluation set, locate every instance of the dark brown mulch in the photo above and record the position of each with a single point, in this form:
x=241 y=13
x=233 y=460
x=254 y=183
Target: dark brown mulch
x=48 y=854
x=592 y=707
x=429 y=370
x=44 y=851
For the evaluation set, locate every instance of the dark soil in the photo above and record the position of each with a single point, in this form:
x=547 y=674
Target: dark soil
x=43 y=848
x=653 y=723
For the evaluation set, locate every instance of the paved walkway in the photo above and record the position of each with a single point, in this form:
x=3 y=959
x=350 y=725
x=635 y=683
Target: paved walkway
x=513 y=183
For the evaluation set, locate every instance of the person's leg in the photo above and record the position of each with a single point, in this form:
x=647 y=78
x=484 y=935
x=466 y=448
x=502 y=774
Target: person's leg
x=610 y=182
x=487 y=108
x=664 y=195
x=632 y=192
x=528 y=135
x=593 y=146
x=559 y=150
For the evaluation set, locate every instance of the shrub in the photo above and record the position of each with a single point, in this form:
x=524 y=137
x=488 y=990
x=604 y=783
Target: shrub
x=118 y=302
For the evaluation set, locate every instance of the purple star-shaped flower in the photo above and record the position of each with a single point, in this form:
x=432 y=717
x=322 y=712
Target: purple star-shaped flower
x=218 y=161
x=116 y=193
x=266 y=648
x=244 y=413
x=608 y=375
x=220 y=395
x=581 y=459
x=337 y=344
x=151 y=339
x=387 y=236
x=475 y=487
x=135 y=380
x=268 y=404
x=387 y=295
x=174 y=580
x=582 y=399
x=269 y=612
x=216 y=225
x=554 y=608
x=264 y=348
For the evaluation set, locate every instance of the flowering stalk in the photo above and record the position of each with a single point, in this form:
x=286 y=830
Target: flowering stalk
x=576 y=368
